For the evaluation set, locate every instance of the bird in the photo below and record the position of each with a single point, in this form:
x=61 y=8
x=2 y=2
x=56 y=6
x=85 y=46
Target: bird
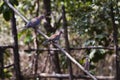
x=53 y=38
x=34 y=22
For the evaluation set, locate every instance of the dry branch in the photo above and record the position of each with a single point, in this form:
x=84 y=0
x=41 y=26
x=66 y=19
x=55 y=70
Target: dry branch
x=66 y=76
x=8 y=66
x=79 y=48
x=6 y=47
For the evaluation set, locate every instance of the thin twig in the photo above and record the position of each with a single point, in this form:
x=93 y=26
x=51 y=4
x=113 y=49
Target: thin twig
x=79 y=48
x=8 y=66
x=93 y=47
x=6 y=47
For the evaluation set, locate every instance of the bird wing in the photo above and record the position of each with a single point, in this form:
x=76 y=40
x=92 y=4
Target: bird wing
x=53 y=36
x=35 y=22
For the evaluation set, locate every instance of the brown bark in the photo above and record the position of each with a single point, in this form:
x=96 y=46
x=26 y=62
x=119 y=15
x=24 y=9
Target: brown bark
x=115 y=38
x=16 y=49
x=67 y=42
x=47 y=8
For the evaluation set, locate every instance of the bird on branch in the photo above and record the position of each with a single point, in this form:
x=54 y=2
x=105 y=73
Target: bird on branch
x=34 y=22
x=53 y=38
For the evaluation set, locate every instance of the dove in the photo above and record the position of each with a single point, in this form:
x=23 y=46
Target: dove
x=54 y=38
x=34 y=22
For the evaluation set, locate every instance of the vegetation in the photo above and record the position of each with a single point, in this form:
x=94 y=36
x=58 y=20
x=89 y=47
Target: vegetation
x=93 y=31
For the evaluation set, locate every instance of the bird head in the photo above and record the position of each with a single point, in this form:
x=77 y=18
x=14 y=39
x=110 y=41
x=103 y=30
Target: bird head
x=61 y=31
x=42 y=16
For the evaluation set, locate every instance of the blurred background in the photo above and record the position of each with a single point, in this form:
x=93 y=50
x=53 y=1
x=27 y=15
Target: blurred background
x=90 y=32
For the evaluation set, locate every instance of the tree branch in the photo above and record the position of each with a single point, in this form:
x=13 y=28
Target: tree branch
x=67 y=41
x=66 y=76
x=79 y=48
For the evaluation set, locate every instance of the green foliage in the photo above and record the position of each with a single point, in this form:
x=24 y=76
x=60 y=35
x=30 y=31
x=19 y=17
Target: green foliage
x=14 y=2
x=7 y=73
x=96 y=55
x=1 y=7
x=28 y=38
x=27 y=6
x=63 y=61
x=6 y=10
x=91 y=18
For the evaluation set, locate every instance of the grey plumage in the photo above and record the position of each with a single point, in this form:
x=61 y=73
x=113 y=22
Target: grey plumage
x=34 y=22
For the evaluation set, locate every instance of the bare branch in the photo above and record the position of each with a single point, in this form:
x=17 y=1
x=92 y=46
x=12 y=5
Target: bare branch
x=6 y=47
x=66 y=76
x=78 y=48
x=8 y=66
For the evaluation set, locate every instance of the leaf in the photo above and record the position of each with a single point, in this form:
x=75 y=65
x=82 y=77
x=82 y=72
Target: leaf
x=92 y=54
x=100 y=36
x=6 y=15
x=1 y=7
x=20 y=34
x=28 y=39
x=14 y=2
x=97 y=55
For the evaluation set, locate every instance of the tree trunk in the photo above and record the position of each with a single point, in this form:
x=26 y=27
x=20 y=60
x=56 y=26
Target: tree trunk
x=15 y=49
x=36 y=43
x=47 y=8
x=1 y=63
x=53 y=55
x=115 y=35
x=67 y=42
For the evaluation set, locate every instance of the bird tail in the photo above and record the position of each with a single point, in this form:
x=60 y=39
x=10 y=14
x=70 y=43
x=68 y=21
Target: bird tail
x=46 y=42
